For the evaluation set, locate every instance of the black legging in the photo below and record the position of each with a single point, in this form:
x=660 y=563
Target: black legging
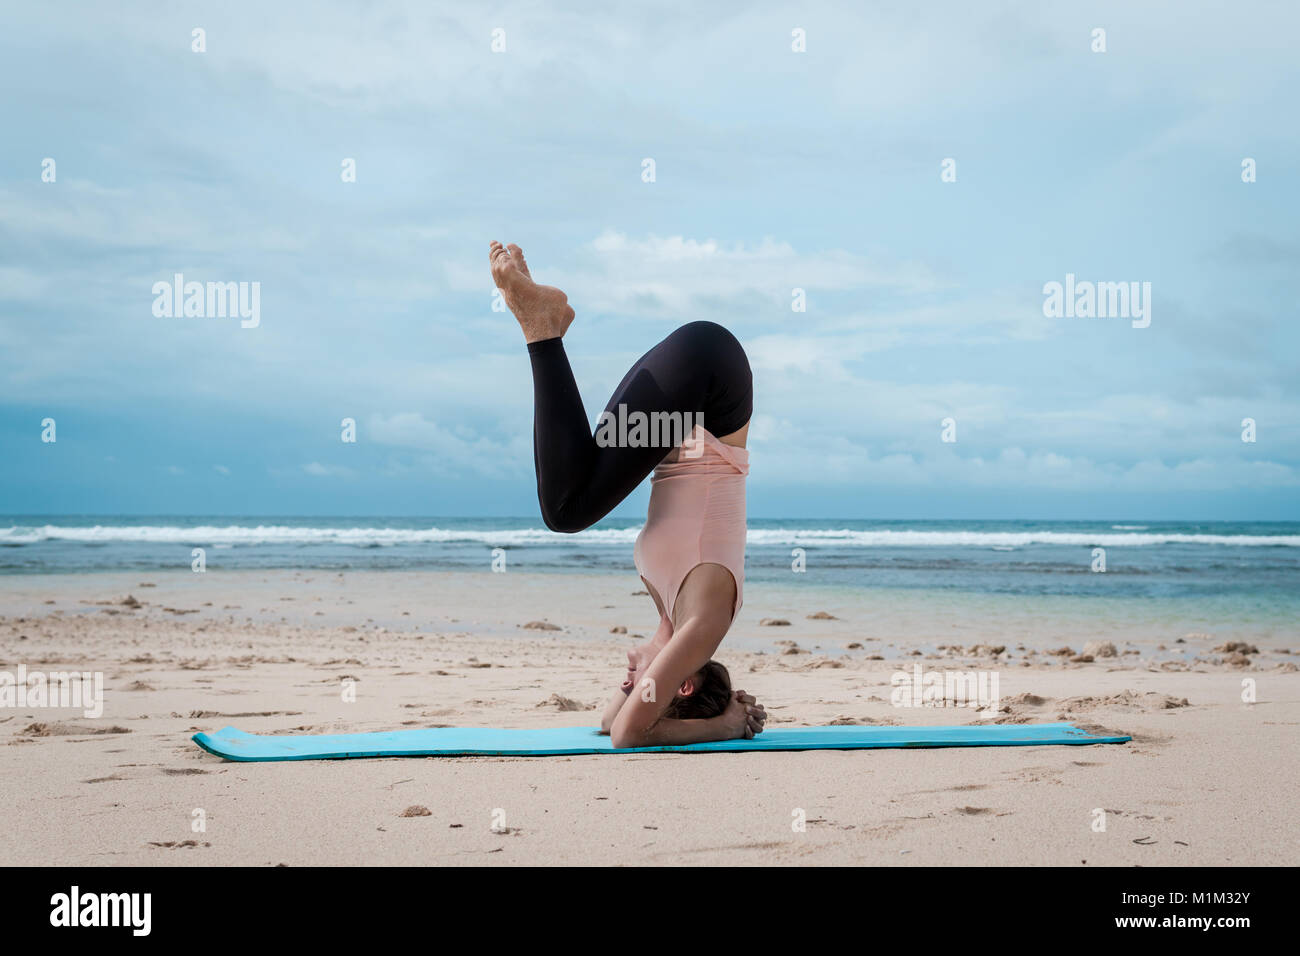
x=700 y=369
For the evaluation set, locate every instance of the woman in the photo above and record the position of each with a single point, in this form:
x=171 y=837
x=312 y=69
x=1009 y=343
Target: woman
x=691 y=552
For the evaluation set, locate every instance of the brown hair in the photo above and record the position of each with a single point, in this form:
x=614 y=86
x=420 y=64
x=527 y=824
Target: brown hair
x=711 y=696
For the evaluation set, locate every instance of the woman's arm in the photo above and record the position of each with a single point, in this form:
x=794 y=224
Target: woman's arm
x=639 y=659
x=612 y=708
x=640 y=720
x=666 y=727
x=743 y=718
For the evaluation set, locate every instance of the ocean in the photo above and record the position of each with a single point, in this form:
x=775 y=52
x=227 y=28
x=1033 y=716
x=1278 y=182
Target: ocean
x=1142 y=559
x=1024 y=580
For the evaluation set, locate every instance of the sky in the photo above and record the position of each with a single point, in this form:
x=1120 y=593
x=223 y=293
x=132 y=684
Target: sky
x=774 y=170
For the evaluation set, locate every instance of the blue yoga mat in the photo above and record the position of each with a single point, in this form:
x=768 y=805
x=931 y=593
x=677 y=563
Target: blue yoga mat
x=234 y=744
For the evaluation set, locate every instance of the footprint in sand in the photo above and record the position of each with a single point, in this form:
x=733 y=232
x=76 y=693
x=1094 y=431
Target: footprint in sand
x=69 y=730
x=562 y=703
x=1124 y=700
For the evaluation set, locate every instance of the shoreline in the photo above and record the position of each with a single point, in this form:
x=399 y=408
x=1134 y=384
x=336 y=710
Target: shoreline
x=587 y=604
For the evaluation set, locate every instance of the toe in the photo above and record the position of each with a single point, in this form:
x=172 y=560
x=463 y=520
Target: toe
x=499 y=261
x=518 y=255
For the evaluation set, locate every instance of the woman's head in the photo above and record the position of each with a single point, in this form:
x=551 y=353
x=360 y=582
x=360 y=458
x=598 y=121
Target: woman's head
x=704 y=694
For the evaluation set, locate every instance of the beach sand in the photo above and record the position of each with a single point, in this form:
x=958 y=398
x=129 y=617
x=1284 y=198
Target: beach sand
x=1207 y=778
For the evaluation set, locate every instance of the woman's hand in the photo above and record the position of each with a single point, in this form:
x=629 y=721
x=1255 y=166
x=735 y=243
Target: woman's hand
x=744 y=716
x=639 y=659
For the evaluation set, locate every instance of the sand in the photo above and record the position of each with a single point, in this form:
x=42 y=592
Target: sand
x=1207 y=779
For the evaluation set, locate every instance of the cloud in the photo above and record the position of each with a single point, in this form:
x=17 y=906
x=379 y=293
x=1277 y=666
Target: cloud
x=19 y=284
x=318 y=470
x=781 y=459
x=675 y=276
x=456 y=450
x=1255 y=249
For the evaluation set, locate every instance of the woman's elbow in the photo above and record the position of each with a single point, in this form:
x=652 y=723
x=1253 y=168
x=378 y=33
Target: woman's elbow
x=623 y=736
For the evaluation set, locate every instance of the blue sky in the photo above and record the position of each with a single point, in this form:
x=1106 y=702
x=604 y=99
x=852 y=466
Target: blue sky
x=775 y=170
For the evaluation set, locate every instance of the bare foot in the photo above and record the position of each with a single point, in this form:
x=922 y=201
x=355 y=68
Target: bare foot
x=542 y=310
